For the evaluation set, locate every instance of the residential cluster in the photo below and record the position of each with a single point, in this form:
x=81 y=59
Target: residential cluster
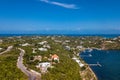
x=43 y=66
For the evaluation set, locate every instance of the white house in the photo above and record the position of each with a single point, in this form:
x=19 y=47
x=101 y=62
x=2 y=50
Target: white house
x=74 y=58
x=67 y=41
x=0 y=48
x=79 y=47
x=109 y=41
x=1 y=41
x=43 y=42
x=81 y=65
x=43 y=66
x=67 y=47
x=58 y=41
x=34 y=50
x=26 y=44
x=43 y=49
x=78 y=61
x=47 y=46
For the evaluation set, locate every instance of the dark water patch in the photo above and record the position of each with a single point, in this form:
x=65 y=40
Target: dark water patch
x=110 y=61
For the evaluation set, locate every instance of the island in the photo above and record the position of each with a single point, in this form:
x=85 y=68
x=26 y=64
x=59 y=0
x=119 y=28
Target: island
x=55 y=57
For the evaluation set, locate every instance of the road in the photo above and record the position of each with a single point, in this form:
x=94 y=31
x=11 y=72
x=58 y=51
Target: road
x=7 y=50
x=32 y=75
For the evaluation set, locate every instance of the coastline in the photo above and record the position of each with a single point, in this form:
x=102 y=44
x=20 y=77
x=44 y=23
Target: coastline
x=93 y=73
x=87 y=71
x=107 y=69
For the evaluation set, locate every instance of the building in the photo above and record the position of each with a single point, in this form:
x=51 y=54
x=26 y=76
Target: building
x=42 y=49
x=1 y=40
x=81 y=65
x=26 y=44
x=78 y=61
x=34 y=50
x=47 y=46
x=38 y=58
x=67 y=41
x=58 y=41
x=79 y=47
x=43 y=66
x=0 y=48
x=43 y=42
x=67 y=48
x=55 y=57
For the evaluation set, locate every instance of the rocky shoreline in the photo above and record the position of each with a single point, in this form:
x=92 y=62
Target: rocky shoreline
x=88 y=73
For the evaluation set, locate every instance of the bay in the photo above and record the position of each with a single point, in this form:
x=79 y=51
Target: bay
x=110 y=61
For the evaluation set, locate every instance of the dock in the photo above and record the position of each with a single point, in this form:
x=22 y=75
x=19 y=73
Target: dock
x=89 y=55
x=97 y=64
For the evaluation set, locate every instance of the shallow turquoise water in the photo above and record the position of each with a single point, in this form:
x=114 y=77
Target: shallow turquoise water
x=110 y=61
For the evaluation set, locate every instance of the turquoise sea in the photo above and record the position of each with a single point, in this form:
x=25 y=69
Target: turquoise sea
x=110 y=61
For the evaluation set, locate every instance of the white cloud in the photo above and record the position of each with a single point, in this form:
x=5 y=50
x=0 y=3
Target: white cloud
x=69 y=6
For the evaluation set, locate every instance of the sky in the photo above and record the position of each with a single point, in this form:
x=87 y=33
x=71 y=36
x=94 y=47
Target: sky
x=60 y=16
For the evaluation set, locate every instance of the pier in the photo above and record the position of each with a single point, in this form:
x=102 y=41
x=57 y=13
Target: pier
x=90 y=55
x=98 y=64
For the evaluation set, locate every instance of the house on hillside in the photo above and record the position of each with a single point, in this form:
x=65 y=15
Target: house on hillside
x=78 y=61
x=43 y=49
x=0 y=49
x=1 y=40
x=67 y=48
x=79 y=47
x=55 y=57
x=34 y=50
x=43 y=42
x=67 y=41
x=43 y=66
x=109 y=41
x=47 y=46
x=58 y=41
x=26 y=44
x=38 y=58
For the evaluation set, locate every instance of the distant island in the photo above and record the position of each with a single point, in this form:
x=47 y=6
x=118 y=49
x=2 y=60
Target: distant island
x=50 y=57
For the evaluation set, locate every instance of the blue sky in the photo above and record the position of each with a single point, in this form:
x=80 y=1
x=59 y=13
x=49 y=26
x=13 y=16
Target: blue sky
x=60 y=16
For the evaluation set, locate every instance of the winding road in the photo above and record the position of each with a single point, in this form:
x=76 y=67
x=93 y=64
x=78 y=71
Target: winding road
x=32 y=75
x=7 y=50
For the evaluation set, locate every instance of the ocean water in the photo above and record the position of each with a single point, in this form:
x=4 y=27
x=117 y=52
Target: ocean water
x=75 y=35
x=110 y=61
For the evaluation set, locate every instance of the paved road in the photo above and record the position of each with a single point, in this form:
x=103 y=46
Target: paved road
x=8 y=49
x=21 y=66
